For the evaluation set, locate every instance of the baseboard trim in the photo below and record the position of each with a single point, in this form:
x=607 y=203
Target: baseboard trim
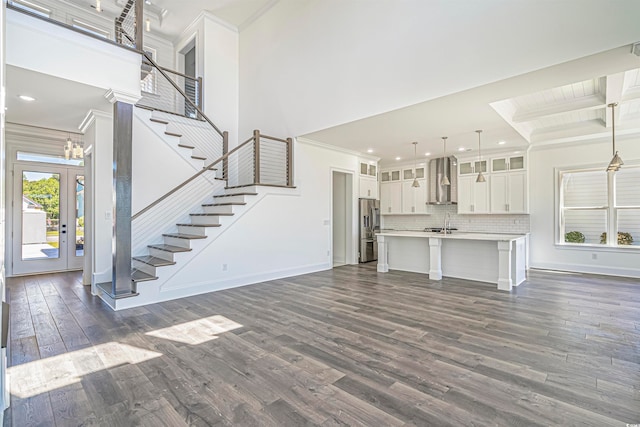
x=588 y=269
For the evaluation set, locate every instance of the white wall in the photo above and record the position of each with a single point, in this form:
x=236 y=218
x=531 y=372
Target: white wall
x=286 y=233
x=217 y=61
x=50 y=49
x=544 y=252
x=312 y=64
x=98 y=134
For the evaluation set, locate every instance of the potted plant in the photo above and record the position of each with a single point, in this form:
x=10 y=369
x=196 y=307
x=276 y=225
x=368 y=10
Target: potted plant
x=574 y=237
x=623 y=238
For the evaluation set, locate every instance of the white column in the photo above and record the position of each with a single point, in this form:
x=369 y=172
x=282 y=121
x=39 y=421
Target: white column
x=504 y=266
x=383 y=260
x=435 y=258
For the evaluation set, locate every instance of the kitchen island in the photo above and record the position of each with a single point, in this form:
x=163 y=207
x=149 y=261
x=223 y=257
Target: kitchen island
x=494 y=258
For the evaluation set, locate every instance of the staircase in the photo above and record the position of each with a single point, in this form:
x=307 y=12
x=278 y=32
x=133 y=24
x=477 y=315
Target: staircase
x=144 y=267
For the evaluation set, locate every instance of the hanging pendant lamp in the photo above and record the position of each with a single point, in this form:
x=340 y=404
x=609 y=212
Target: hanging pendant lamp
x=480 y=177
x=616 y=161
x=415 y=184
x=445 y=178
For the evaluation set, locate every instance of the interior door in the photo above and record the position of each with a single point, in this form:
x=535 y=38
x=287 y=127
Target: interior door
x=48 y=210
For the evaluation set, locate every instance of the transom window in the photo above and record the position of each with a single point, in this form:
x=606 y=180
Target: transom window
x=600 y=208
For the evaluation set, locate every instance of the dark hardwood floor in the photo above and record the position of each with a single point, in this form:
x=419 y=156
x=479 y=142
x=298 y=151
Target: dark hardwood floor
x=343 y=347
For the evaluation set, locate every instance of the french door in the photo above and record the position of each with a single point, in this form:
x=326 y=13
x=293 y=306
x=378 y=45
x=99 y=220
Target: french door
x=48 y=218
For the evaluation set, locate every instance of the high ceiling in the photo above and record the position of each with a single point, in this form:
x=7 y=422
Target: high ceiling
x=550 y=106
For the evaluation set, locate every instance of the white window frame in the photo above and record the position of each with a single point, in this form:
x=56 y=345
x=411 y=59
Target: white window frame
x=611 y=209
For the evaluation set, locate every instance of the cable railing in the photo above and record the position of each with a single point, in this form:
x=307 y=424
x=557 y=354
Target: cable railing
x=128 y=25
x=169 y=94
x=264 y=160
x=260 y=160
x=159 y=94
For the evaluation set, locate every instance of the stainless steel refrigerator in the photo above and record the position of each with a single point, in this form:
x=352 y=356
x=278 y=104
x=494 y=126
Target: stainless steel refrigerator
x=369 y=214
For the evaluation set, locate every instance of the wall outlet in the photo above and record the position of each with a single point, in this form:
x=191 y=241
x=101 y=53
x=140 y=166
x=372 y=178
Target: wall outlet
x=594 y=256
x=225 y=267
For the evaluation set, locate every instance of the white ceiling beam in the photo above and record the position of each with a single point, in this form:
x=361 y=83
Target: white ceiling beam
x=592 y=102
x=615 y=90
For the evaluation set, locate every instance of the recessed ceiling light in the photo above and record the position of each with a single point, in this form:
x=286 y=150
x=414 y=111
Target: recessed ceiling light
x=370 y=150
x=398 y=158
x=427 y=154
x=516 y=152
x=26 y=98
x=461 y=149
x=502 y=142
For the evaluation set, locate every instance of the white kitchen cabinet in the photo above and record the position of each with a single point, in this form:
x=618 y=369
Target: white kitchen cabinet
x=414 y=200
x=391 y=197
x=368 y=180
x=471 y=167
x=368 y=187
x=473 y=197
x=409 y=173
x=390 y=175
x=508 y=163
x=509 y=193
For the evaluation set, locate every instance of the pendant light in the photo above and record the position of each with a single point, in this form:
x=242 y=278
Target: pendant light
x=445 y=179
x=73 y=150
x=616 y=161
x=415 y=184
x=480 y=177
x=68 y=148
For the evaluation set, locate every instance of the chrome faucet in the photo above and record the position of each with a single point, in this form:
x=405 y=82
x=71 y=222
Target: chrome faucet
x=447 y=223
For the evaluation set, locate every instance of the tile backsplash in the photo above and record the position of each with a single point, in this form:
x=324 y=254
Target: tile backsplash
x=517 y=224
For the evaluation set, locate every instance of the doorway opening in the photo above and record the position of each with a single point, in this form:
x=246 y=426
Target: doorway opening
x=47 y=218
x=190 y=82
x=342 y=220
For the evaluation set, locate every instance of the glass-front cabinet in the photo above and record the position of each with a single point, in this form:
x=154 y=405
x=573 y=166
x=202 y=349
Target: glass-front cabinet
x=504 y=164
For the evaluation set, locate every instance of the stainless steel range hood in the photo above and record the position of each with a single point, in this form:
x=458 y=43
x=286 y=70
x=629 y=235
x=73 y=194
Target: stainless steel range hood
x=443 y=194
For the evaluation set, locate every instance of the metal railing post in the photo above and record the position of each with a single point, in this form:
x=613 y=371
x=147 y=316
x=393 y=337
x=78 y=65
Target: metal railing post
x=290 y=162
x=256 y=156
x=139 y=9
x=225 y=150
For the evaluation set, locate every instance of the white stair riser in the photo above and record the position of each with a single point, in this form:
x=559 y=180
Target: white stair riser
x=198 y=231
x=149 y=269
x=174 y=241
x=219 y=209
x=205 y=219
x=229 y=199
x=250 y=189
x=169 y=256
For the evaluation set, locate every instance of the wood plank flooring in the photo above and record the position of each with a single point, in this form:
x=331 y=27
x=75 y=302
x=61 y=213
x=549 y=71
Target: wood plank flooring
x=348 y=346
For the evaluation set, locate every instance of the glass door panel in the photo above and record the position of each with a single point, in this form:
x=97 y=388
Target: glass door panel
x=40 y=215
x=48 y=218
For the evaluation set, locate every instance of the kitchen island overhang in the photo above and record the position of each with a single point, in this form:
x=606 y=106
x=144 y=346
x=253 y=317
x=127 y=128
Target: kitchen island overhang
x=494 y=258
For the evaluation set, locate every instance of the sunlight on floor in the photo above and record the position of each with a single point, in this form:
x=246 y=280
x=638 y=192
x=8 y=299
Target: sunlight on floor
x=197 y=331
x=40 y=376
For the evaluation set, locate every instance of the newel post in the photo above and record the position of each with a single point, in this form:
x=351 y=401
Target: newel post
x=290 y=162
x=139 y=10
x=256 y=156
x=225 y=150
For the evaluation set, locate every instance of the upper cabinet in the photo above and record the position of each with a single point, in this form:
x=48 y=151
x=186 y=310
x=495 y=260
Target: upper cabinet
x=368 y=180
x=504 y=192
x=397 y=193
x=510 y=163
x=471 y=167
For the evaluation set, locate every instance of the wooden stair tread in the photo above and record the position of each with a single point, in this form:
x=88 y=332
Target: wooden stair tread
x=200 y=158
x=164 y=122
x=212 y=214
x=173 y=134
x=154 y=261
x=199 y=225
x=225 y=204
x=236 y=194
x=169 y=248
x=141 y=276
x=186 y=146
x=184 y=236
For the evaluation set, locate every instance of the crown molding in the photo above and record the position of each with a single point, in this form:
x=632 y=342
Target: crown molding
x=116 y=96
x=335 y=148
x=91 y=117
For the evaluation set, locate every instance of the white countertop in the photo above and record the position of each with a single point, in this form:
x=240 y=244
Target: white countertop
x=459 y=235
